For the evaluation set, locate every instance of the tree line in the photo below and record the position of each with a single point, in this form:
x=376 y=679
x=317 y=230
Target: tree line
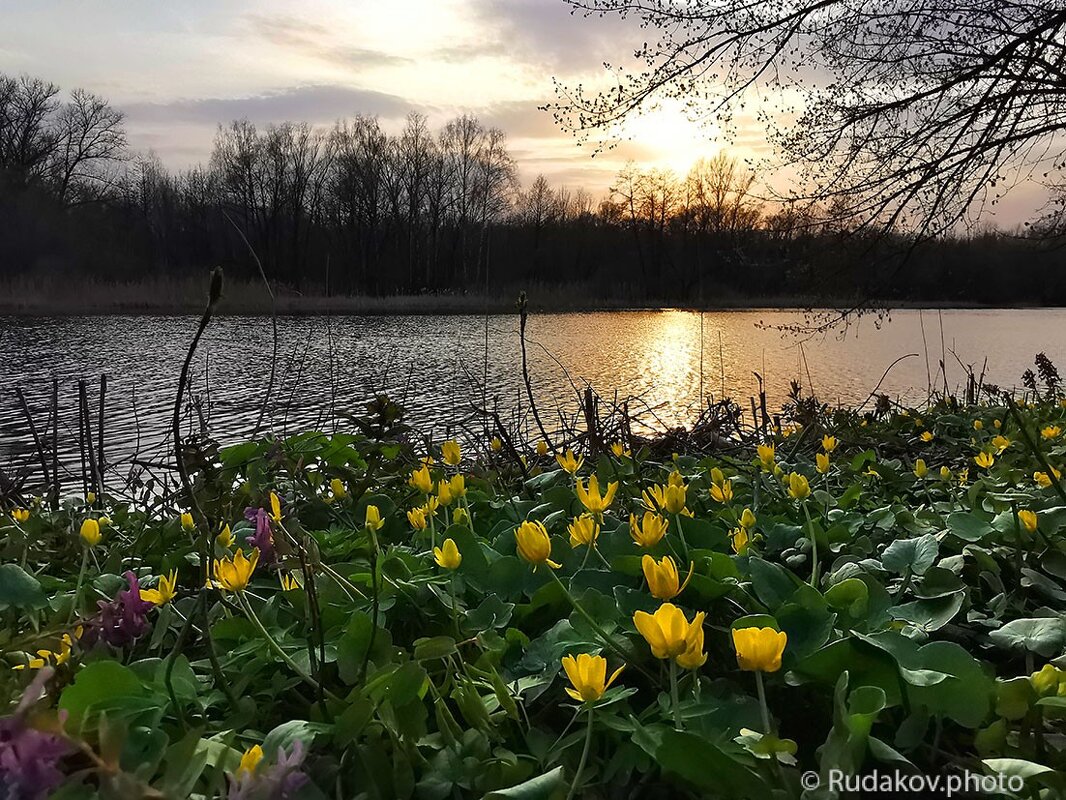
x=354 y=208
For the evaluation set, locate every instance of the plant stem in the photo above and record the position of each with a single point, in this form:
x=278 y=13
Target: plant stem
x=455 y=610
x=604 y=637
x=247 y=607
x=814 y=545
x=77 y=586
x=681 y=535
x=584 y=758
x=674 y=701
x=762 y=703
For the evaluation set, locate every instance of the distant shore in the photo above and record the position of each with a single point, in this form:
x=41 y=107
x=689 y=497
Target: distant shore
x=172 y=297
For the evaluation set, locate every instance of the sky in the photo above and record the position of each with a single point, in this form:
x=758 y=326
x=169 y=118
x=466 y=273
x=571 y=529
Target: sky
x=178 y=69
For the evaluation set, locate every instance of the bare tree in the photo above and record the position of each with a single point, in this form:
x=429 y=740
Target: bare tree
x=27 y=140
x=89 y=141
x=911 y=114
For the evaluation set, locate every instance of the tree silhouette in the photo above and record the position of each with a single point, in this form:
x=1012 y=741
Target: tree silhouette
x=905 y=116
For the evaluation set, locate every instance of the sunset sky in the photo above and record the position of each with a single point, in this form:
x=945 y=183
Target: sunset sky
x=179 y=69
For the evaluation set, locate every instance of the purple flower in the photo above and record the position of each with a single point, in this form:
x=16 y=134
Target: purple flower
x=278 y=781
x=122 y=620
x=262 y=538
x=29 y=758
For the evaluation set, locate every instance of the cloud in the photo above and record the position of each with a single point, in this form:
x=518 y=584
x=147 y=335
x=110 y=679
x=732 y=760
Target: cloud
x=317 y=41
x=550 y=34
x=315 y=104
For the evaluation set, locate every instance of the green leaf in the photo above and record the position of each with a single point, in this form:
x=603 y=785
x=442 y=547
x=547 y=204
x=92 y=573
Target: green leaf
x=100 y=685
x=969 y=526
x=700 y=763
x=431 y=649
x=285 y=735
x=914 y=555
x=19 y=589
x=1045 y=636
x=774 y=585
x=543 y=787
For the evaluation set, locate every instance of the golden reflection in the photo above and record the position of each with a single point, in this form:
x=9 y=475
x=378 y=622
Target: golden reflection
x=672 y=356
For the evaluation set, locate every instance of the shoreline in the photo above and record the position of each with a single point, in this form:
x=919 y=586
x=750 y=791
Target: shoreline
x=182 y=297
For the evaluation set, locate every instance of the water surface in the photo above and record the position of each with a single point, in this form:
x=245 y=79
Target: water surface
x=440 y=367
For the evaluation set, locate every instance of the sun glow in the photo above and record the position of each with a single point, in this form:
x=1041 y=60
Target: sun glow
x=671 y=140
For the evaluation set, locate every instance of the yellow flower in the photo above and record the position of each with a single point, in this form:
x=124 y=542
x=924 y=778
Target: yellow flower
x=649 y=530
x=664 y=583
x=447 y=555
x=20 y=515
x=225 y=537
x=496 y=444
x=722 y=492
x=542 y=448
x=590 y=496
x=340 y=491
x=739 y=538
x=36 y=663
x=289 y=582
x=1028 y=520
x=964 y=475
x=420 y=479
x=667 y=631
x=822 y=462
x=431 y=506
x=747 y=519
x=1042 y=477
x=1047 y=681
x=618 y=450
x=62 y=657
x=460 y=516
x=927 y=436
x=945 y=474
x=997 y=424
x=534 y=544
x=669 y=498
x=457 y=486
x=798 y=487
x=829 y=443
x=250 y=760
x=584 y=530
x=234 y=573
x=1050 y=431
x=187 y=521
x=275 y=506
x=766 y=455
x=105 y=521
x=920 y=469
x=451 y=452
x=693 y=657
x=1001 y=443
x=90 y=498
x=675 y=478
x=587 y=674
x=165 y=592
x=444 y=493
x=373 y=518
x=984 y=460
x=759 y=649
x=978 y=425
x=417 y=518
x=569 y=462
x=90 y=532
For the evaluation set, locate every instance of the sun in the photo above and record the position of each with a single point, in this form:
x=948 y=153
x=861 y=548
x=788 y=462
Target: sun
x=673 y=140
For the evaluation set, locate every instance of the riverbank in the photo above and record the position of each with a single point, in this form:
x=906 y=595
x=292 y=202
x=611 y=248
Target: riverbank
x=179 y=296
x=386 y=613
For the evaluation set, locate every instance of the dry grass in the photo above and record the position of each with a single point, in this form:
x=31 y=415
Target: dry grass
x=28 y=296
